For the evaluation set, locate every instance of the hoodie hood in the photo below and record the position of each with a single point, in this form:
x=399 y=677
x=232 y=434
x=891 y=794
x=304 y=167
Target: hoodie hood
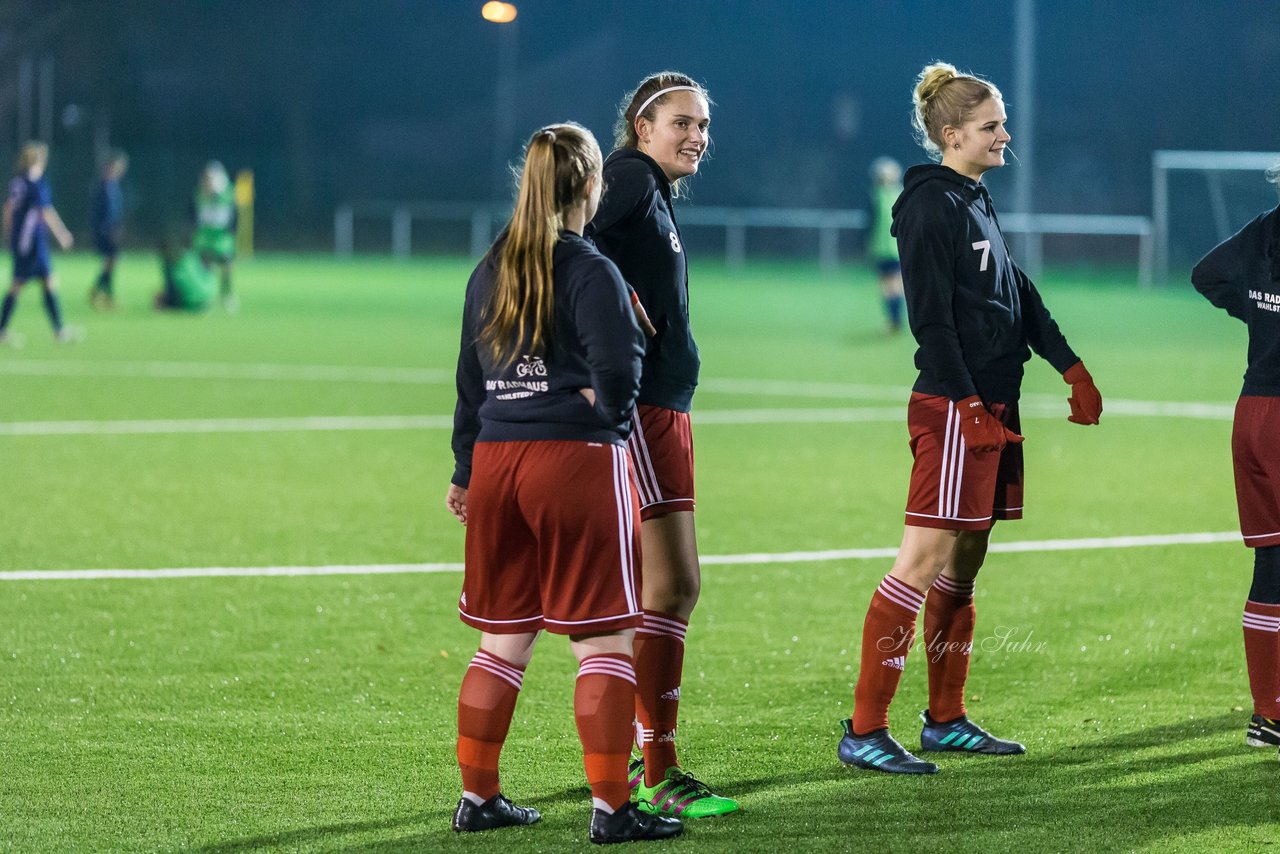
x=919 y=176
x=660 y=177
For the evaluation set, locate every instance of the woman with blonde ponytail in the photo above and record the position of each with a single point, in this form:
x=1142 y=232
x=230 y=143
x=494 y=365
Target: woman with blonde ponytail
x=548 y=372
x=977 y=318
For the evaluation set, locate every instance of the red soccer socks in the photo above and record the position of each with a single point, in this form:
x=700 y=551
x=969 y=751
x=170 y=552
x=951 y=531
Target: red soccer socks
x=485 y=706
x=659 y=657
x=948 y=637
x=887 y=635
x=1262 y=655
x=603 y=700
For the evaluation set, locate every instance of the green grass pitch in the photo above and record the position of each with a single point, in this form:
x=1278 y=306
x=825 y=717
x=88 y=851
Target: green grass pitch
x=316 y=713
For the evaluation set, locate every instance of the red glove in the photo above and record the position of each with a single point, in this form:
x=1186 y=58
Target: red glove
x=1085 y=401
x=642 y=316
x=981 y=430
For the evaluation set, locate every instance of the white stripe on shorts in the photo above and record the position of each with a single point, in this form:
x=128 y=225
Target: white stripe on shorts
x=952 y=475
x=626 y=522
x=646 y=477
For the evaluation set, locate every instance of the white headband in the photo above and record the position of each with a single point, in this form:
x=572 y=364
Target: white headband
x=662 y=92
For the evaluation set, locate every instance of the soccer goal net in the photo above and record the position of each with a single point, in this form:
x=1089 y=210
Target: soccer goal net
x=1200 y=198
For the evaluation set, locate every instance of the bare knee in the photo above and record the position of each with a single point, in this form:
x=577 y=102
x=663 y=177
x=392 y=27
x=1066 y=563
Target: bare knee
x=970 y=554
x=672 y=579
x=672 y=590
x=924 y=553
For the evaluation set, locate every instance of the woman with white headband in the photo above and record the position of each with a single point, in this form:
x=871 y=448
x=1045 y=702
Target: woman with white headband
x=660 y=139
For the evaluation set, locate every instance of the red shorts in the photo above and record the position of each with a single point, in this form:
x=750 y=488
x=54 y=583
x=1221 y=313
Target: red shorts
x=553 y=539
x=952 y=487
x=661 y=446
x=1256 y=456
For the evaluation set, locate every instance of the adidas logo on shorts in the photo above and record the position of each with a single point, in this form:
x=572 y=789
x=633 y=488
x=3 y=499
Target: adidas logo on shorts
x=898 y=662
x=673 y=694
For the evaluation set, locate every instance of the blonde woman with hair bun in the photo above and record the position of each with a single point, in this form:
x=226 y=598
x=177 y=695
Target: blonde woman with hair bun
x=977 y=319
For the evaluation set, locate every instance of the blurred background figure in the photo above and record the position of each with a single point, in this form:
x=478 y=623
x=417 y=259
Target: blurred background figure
x=215 y=235
x=107 y=215
x=882 y=248
x=29 y=217
x=189 y=282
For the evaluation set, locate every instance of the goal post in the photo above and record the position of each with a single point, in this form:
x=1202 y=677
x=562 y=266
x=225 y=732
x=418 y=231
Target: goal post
x=1217 y=208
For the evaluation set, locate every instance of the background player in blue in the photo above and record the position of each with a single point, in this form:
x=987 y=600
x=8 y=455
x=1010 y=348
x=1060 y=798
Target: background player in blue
x=977 y=319
x=1242 y=277
x=660 y=138
x=106 y=211
x=29 y=217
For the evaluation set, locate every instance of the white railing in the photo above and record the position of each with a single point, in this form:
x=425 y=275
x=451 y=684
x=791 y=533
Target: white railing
x=402 y=216
x=828 y=222
x=1036 y=226
x=1209 y=162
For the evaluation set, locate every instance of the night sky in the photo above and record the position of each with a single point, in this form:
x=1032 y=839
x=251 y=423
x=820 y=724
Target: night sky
x=395 y=99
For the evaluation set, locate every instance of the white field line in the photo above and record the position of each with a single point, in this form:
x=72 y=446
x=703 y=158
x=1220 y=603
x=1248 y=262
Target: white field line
x=340 y=423
x=226 y=371
x=438 y=376
x=707 y=560
x=701 y=418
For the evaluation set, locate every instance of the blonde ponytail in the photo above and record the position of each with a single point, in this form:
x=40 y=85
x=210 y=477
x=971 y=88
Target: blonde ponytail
x=520 y=315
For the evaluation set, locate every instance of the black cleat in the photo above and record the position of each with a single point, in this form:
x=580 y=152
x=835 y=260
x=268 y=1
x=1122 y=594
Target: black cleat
x=965 y=736
x=1262 y=732
x=628 y=824
x=495 y=812
x=879 y=751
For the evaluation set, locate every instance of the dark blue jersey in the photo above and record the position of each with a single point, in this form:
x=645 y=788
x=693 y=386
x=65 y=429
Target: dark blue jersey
x=635 y=228
x=28 y=235
x=106 y=209
x=1242 y=276
x=596 y=344
x=975 y=315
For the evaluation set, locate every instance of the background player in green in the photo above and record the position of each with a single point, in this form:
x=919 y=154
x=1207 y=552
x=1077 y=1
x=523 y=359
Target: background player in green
x=882 y=246
x=215 y=236
x=189 y=284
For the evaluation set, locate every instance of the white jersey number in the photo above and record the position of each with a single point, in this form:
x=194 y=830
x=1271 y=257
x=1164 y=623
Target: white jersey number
x=675 y=242
x=985 y=247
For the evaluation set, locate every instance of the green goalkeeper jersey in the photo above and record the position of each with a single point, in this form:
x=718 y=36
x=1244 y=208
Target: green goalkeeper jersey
x=193 y=283
x=883 y=246
x=215 y=224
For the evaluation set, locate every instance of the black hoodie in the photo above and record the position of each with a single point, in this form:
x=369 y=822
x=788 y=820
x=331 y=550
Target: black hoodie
x=635 y=228
x=975 y=315
x=537 y=398
x=1242 y=275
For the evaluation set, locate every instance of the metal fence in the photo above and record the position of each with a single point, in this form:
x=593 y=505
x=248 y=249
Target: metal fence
x=829 y=223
